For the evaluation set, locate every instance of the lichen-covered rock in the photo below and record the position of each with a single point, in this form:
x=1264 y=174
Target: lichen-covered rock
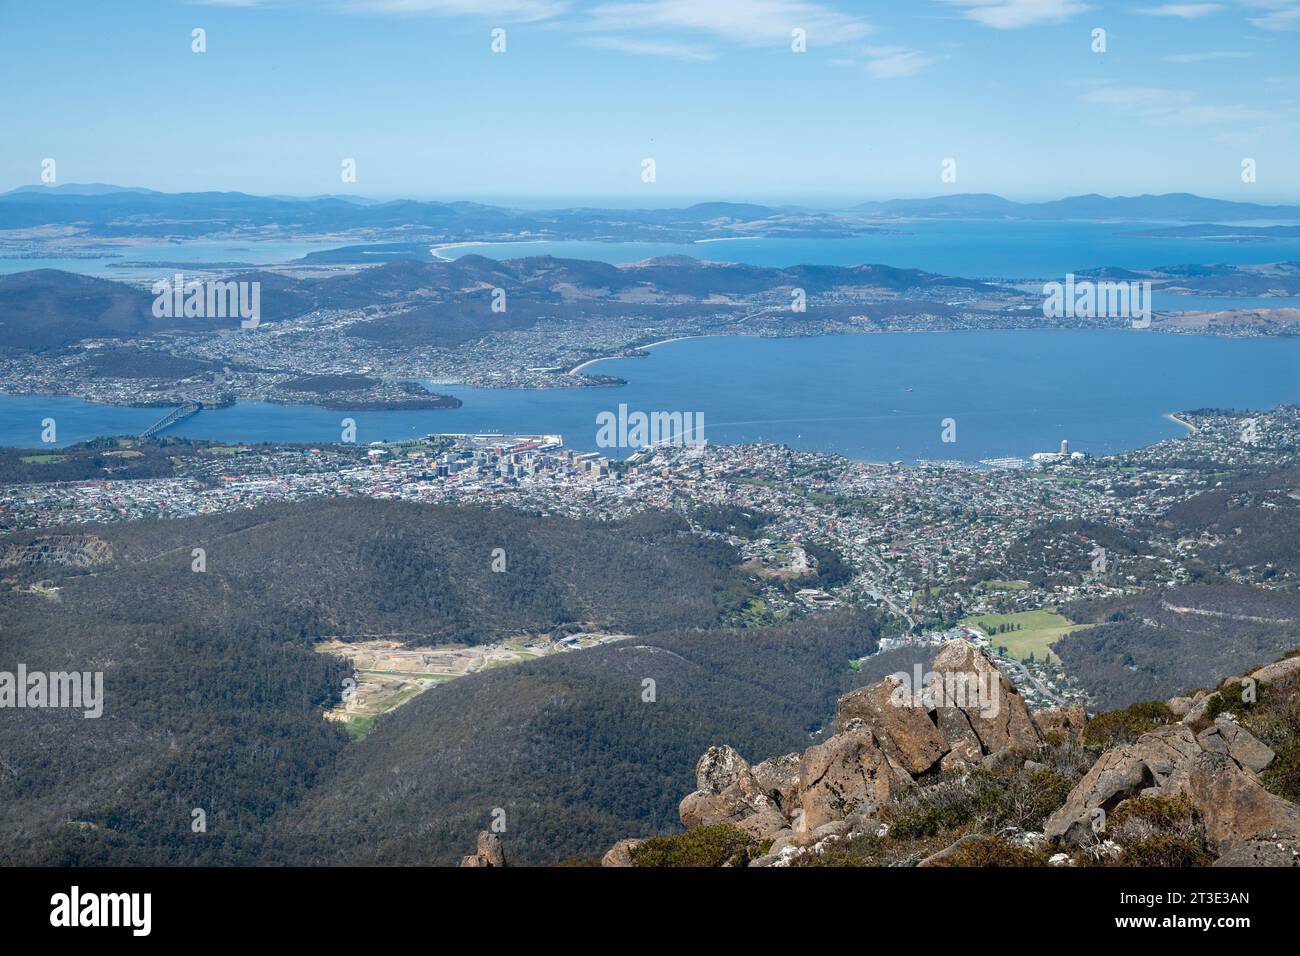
x=1200 y=701
x=846 y=773
x=720 y=769
x=1261 y=853
x=778 y=777
x=764 y=825
x=1005 y=759
x=1232 y=804
x=900 y=722
x=726 y=791
x=964 y=748
x=1000 y=722
x=1276 y=673
x=620 y=854
x=489 y=852
x=1067 y=723
x=1228 y=737
x=1121 y=773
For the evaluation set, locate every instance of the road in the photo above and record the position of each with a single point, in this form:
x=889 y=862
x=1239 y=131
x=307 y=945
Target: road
x=1025 y=675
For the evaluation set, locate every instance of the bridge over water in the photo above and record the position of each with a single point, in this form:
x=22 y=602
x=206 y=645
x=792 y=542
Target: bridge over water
x=171 y=418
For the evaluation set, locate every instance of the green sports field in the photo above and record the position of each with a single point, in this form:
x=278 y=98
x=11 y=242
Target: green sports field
x=1040 y=629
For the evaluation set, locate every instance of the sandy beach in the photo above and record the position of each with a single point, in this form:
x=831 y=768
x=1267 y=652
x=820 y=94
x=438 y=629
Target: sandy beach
x=438 y=250
x=605 y=358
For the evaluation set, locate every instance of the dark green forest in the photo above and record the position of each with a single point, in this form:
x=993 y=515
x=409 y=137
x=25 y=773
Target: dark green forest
x=214 y=694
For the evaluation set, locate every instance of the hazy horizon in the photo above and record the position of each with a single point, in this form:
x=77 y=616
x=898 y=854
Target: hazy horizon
x=627 y=201
x=1017 y=93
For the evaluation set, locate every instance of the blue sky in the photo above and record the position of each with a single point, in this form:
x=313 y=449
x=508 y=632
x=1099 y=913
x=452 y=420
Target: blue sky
x=710 y=89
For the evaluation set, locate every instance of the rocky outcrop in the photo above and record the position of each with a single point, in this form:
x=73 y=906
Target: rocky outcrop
x=1064 y=723
x=1234 y=807
x=1273 y=673
x=1001 y=721
x=620 y=854
x=1216 y=769
x=778 y=777
x=966 y=714
x=489 y=852
x=726 y=791
x=765 y=825
x=1194 y=711
x=847 y=773
x=1261 y=853
x=906 y=733
x=1226 y=737
x=1118 y=774
x=963 y=714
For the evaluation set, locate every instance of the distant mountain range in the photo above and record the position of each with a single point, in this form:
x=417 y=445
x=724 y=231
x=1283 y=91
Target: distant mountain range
x=1171 y=207
x=104 y=211
x=50 y=309
x=111 y=212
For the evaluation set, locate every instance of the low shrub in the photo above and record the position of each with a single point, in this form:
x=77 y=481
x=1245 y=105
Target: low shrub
x=702 y=847
x=986 y=799
x=1115 y=727
x=991 y=851
x=1282 y=776
x=1167 y=849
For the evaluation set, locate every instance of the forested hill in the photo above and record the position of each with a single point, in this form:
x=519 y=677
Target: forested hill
x=358 y=567
x=214 y=692
x=571 y=749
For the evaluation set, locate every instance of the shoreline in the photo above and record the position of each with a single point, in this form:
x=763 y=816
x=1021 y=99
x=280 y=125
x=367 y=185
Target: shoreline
x=437 y=251
x=1191 y=429
x=609 y=358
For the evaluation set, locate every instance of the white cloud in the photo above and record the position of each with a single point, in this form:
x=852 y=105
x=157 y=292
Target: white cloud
x=1165 y=107
x=1206 y=56
x=513 y=10
x=679 y=29
x=509 y=10
x=1185 y=11
x=1196 y=115
x=622 y=25
x=1282 y=15
x=1012 y=14
x=677 y=51
x=1138 y=97
x=888 y=63
x=748 y=22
